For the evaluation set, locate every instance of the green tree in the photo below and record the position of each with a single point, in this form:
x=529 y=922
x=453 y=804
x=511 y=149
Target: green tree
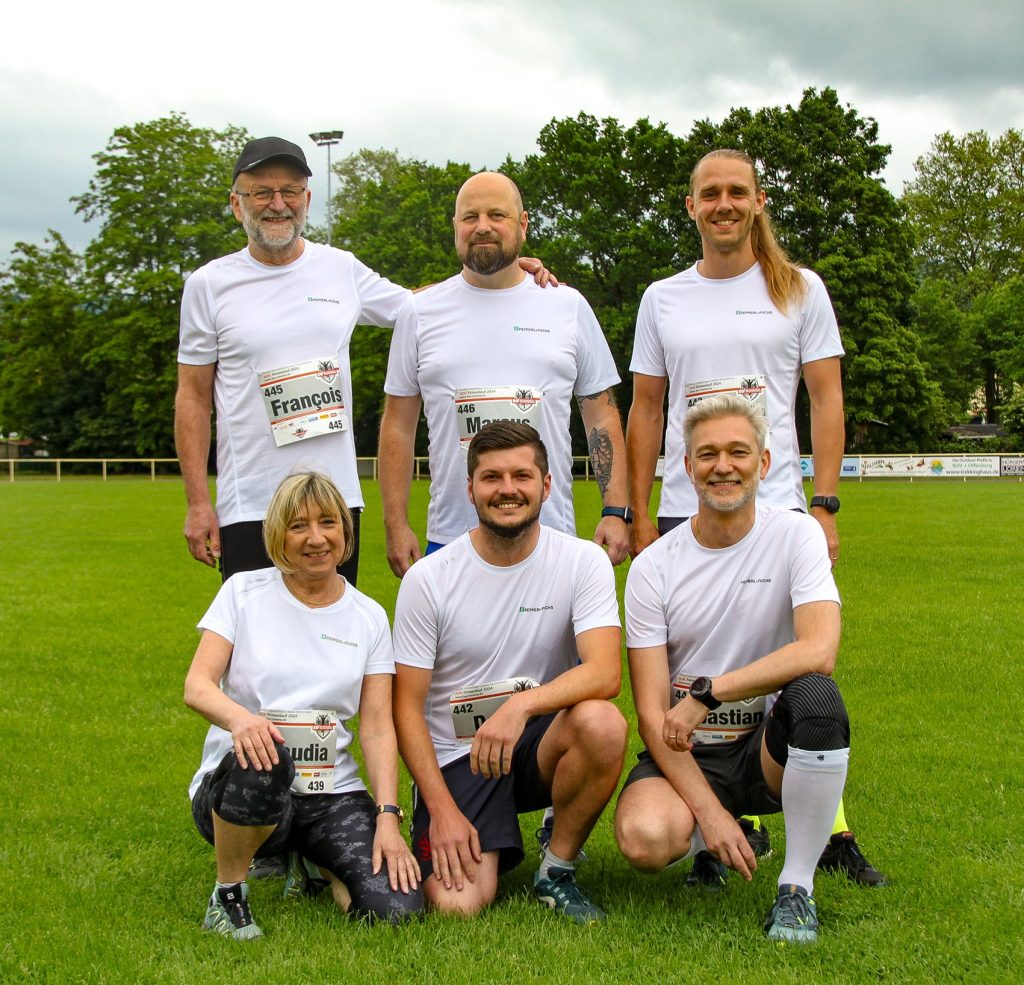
x=160 y=193
x=47 y=393
x=395 y=215
x=967 y=207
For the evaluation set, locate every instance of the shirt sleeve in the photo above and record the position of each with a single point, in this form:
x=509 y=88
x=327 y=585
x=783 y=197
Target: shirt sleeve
x=819 y=330
x=402 y=378
x=197 y=342
x=595 y=367
x=593 y=601
x=222 y=616
x=646 y=624
x=380 y=659
x=810 y=570
x=648 y=352
x=417 y=621
x=379 y=299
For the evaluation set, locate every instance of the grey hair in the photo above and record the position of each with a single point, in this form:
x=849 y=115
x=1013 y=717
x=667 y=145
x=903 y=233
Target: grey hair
x=727 y=405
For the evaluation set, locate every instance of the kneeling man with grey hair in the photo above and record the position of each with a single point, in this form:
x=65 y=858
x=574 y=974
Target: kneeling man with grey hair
x=732 y=628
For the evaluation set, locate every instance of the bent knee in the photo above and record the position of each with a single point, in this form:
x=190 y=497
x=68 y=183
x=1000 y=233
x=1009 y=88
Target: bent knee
x=465 y=902
x=645 y=843
x=600 y=727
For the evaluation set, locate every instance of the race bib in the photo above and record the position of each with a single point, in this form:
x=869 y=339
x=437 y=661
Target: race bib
x=751 y=387
x=303 y=400
x=477 y=406
x=732 y=721
x=472 y=706
x=311 y=736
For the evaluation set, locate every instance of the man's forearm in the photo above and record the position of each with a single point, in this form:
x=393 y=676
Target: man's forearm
x=192 y=440
x=607 y=445
x=395 y=460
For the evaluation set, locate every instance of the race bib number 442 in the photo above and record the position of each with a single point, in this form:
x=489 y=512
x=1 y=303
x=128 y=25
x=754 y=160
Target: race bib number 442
x=472 y=706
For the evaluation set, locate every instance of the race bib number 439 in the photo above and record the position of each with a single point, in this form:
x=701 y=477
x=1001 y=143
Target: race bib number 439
x=303 y=400
x=311 y=736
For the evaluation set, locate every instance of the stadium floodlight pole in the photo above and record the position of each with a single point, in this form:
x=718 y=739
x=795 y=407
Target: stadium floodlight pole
x=327 y=138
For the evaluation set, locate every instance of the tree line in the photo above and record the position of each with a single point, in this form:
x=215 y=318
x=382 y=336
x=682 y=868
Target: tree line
x=928 y=287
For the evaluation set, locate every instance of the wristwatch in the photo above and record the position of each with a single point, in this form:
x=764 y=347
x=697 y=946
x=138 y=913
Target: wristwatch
x=701 y=690
x=624 y=513
x=830 y=503
x=391 y=809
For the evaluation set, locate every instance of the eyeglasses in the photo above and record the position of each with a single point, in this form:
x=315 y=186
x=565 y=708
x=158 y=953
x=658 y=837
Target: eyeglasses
x=291 y=195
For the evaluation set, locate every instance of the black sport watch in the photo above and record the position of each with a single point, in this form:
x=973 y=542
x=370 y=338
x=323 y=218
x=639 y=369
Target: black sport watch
x=624 y=513
x=701 y=690
x=829 y=503
x=391 y=809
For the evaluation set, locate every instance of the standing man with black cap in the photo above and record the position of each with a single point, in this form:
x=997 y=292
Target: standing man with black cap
x=265 y=335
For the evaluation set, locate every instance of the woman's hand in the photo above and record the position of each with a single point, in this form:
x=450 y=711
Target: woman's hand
x=388 y=843
x=255 y=740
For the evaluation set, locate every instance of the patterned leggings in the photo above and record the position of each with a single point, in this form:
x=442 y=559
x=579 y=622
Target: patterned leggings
x=334 y=831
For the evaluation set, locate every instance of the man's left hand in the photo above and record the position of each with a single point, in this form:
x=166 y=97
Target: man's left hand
x=541 y=275
x=495 y=741
x=828 y=524
x=612 y=533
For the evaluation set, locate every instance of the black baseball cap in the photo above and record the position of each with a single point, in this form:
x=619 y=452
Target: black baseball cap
x=264 y=149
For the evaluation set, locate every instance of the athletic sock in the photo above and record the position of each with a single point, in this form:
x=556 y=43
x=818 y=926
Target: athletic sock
x=228 y=885
x=812 y=786
x=840 y=823
x=551 y=859
x=696 y=845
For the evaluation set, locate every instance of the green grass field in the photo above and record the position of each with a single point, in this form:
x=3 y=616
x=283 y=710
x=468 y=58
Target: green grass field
x=105 y=878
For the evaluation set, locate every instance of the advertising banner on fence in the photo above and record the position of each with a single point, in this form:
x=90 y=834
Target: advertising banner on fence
x=955 y=466
x=1011 y=466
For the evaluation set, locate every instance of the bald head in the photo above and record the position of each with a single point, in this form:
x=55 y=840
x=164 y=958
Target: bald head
x=490 y=229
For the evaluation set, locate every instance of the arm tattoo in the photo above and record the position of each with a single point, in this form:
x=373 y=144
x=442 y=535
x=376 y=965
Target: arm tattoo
x=601 y=457
x=609 y=393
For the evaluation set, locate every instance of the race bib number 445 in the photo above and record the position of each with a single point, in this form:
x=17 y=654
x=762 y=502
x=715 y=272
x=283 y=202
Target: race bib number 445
x=303 y=400
x=311 y=735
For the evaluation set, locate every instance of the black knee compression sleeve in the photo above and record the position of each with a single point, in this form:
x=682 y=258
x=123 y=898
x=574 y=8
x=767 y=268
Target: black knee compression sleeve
x=809 y=714
x=252 y=798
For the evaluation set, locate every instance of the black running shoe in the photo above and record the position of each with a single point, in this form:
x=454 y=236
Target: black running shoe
x=843 y=854
x=756 y=832
x=707 y=873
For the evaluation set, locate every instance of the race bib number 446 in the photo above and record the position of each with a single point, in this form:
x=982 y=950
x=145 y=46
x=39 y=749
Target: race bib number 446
x=311 y=735
x=303 y=400
x=480 y=405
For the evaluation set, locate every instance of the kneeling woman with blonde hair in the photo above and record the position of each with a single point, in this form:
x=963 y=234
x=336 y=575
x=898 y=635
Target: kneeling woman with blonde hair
x=288 y=655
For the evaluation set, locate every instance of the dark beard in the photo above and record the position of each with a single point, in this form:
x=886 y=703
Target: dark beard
x=510 y=533
x=488 y=261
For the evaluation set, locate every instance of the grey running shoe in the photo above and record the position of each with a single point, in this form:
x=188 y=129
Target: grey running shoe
x=228 y=913
x=271 y=867
x=560 y=892
x=707 y=873
x=756 y=832
x=843 y=854
x=303 y=878
x=794 y=917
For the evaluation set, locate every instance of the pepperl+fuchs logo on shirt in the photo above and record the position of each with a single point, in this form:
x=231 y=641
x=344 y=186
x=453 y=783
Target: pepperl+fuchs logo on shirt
x=745 y=311
x=334 y=639
x=528 y=328
x=536 y=608
x=755 y=581
x=323 y=300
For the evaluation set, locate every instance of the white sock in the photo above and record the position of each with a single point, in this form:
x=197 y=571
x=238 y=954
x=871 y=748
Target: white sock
x=696 y=845
x=812 y=786
x=550 y=859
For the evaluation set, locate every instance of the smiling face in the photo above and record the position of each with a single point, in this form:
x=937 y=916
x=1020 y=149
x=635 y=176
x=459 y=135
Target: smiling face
x=724 y=464
x=507 y=488
x=274 y=230
x=490 y=224
x=314 y=542
x=724 y=201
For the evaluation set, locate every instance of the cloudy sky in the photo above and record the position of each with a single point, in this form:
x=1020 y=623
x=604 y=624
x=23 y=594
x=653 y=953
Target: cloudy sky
x=474 y=80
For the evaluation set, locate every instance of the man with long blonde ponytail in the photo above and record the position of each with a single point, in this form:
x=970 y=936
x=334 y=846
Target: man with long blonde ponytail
x=744 y=319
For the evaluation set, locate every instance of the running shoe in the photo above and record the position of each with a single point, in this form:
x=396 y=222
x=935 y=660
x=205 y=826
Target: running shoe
x=271 y=867
x=843 y=854
x=228 y=913
x=793 y=918
x=707 y=873
x=756 y=832
x=560 y=892
x=303 y=878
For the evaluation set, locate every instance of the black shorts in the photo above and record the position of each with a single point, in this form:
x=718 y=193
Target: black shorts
x=491 y=806
x=241 y=549
x=733 y=769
